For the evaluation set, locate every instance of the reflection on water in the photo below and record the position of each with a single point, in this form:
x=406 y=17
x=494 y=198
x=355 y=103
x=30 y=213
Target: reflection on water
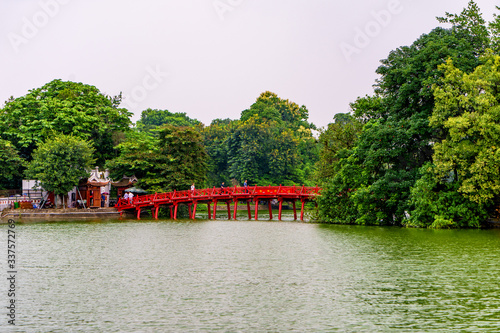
x=253 y=276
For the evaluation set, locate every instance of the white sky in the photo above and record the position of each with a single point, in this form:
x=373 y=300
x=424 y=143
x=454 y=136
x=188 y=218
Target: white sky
x=212 y=58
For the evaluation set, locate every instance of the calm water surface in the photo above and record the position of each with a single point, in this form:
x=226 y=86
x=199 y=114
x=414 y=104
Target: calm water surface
x=226 y=276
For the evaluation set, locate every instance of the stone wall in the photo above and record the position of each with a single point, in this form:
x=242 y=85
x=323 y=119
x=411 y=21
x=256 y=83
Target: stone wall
x=68 y=214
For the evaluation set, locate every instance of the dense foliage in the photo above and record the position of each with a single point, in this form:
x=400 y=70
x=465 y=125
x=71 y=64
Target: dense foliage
x=64 y=108
x=375 y=181
x=60 y=162
x=11 y=167
x=171 y=160
x=423 y=150
x=466 y=161
x=340 y=135
x=153 y=118
x=271 y=144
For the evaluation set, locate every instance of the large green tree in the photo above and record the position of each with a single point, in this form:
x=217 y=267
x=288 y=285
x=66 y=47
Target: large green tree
x=64 y=107
x=375 y=178
x=494 y=30
x=60 y=163
x=468 y=108
x=342 y=134
x=271 y=144
x=215 y=140
x=171 y=160
x=185 y=157
x=269 y=106
x=466 y=163
x=469 y=25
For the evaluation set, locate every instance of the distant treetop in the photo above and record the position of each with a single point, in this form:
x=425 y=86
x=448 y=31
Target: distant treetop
x=153 y=118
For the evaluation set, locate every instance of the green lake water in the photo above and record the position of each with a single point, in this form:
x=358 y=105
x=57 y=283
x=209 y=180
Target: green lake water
x=251 y=276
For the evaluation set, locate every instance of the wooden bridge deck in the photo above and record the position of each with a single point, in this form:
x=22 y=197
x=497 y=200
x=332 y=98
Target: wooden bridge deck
x=228 y=195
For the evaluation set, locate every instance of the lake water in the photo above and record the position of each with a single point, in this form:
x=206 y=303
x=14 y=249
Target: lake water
x=249 y=276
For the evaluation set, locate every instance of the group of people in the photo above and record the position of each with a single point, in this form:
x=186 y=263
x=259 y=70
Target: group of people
x=129 y=196
x=222 y=186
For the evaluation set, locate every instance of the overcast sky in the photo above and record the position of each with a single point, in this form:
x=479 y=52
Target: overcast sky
x=212 y=58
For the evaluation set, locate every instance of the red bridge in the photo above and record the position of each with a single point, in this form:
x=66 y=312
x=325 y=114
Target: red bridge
x=227 y=195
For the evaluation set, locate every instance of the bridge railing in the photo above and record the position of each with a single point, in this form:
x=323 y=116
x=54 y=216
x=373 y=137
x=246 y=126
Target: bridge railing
x=164 y=196
x=205 y=192
x=314 y=191
x=122 y=202
x=144 y=199
x=213 y=193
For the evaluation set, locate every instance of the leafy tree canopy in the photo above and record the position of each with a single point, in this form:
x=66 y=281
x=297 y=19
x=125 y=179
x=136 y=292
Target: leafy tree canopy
x=269 y=107
x=342 y=134
x=374 y=179
x=469 y=24
x=439 y=204
x=494 y=30
x=68 y=108
x=153 y=118
x=468 y=108
x=215 y=140
x=172 y=160
x=271 y=144
x=60 y=162
x=11 y=167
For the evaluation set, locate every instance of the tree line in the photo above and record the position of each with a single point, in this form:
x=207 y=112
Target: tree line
x=56 y=133
x=423 y=150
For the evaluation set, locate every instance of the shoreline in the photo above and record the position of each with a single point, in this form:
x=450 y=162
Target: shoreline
x=46 y=215
x=75 y=214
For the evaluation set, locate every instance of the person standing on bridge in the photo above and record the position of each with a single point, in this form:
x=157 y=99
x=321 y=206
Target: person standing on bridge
x=192 y=187
x=131 y=197
x=125 y=196
x=222 y=187
x=245 y=185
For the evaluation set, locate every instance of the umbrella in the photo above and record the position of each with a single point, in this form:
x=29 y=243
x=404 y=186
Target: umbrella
x=136 y=190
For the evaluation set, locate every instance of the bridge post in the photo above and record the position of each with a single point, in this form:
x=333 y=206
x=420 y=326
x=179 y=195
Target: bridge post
x=235 y=208
x=175 y=210
x=209 y=211
x=302 y=210
x=215 y=209
x=294 y=211
x=228 y=210
x=280 y=200
x=171 y=212
x=139 y=213
x=194 y=209
x=190 y=213
x=156 y=212
x=270 y=209
x=248 y=210
x=256 y=209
